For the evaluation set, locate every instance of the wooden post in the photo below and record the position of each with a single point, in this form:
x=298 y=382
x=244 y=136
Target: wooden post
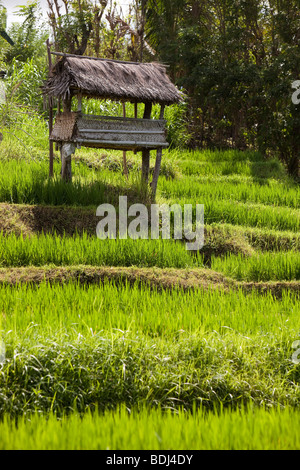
x=156 y=171
x=67 y=148
x=158 y=160
x=135 y=117
x=146 y=152
x=50 y=113
x=125 y=169
x=66 y=151
x=79 y=109
x=67 y=104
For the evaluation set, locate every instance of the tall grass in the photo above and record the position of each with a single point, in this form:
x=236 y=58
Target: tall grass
x=271 y=193
x=24 y=183
x=150 y=430
x=266 y=169
x=207 y=155
x=76 y=347
x=105 y=369
x=39 y=250
x=245 y=214
x=52 y=310
x=260 y=267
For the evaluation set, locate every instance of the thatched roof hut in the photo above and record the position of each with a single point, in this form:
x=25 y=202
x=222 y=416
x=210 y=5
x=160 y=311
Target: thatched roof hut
x=111 y=79
x=90 y=77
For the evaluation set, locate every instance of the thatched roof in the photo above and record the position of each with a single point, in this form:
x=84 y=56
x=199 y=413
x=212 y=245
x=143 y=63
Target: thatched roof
x=111 y=79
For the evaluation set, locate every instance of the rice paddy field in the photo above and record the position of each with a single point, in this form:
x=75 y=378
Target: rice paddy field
x=142 y=344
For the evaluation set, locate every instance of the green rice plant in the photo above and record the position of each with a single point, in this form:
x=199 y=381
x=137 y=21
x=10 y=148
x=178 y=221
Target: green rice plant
x=271 y=193
x=39 y=250
x=80 y=308
x=62 y=374
x=149 y=429
x=266 y=169
x=262 y=239
x=244 y=214
x=26 y=182
x=76 y=347
x=207 y=155
x=260 y=267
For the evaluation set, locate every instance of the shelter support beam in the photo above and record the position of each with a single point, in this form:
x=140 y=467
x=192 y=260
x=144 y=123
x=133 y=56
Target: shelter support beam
x=156 y=172
x=51 y=154
x=157 y=161
x=146 y=152
x=66 y=152
x=125 y=170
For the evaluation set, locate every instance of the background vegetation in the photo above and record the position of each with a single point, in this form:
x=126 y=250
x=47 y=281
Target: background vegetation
x=236 y=61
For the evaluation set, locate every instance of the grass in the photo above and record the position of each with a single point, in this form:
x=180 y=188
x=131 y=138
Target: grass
x=65 y=372
x=76 y=347
x=144 y=335
x=260 y=169
x=98 y=307
x=246 y=429
x=269 y=193
x=22 y=182
x=70 y=220
x=260 y=267
x=40 y=250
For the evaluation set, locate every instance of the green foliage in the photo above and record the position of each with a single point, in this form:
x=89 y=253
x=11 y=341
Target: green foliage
x=26 y=67
x=24 y=82
x=260 y=267
x=128 y=349
x=237 y=61
x=47 y=249
x=244 y=429
x=29 y=36
x=106 y=345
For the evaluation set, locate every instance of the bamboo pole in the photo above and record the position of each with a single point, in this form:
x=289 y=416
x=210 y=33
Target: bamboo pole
x=157 y=161
x=51 y=158
x=135 y=117
x=145 y=151
x=125 y=169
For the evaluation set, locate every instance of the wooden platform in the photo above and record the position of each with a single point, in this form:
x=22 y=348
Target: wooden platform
x=109 y=132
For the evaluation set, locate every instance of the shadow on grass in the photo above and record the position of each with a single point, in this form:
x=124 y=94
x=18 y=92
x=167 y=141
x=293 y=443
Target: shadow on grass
x=262 y=171
x=52 y=205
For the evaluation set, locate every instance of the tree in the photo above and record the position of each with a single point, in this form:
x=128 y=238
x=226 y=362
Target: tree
x=72 y=28
x=99 y=28
x=5 y=39
x=29 y=36
x=25 y=62
x=236 y=59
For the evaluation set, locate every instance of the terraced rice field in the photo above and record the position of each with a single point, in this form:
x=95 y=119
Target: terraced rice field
x=102 y=335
